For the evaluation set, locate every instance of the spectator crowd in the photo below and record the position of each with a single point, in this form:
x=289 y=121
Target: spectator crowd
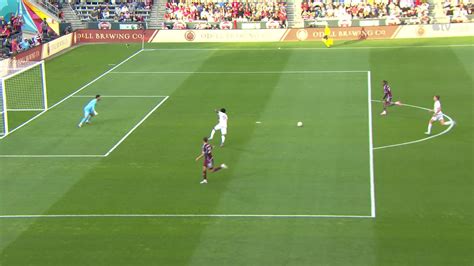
x=392 y=11
x=458 y=12
x=224 y=12
x=114 y=11
x=12 y=40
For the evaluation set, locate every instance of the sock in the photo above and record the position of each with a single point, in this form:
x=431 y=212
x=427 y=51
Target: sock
x=83 y=120
x=448 y=123
x=204 y=175
x=212 y=134
x=429 y=128
x=216 y=169
x=223 y=139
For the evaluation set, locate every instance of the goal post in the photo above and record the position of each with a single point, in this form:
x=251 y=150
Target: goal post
x=22 y=90
x=3 y=110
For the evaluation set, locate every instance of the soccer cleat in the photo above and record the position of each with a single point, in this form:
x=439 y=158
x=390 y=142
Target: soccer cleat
x=383 y=113
x=204 y=181
x=80 y=125
x=222 y=145
x=223 y=166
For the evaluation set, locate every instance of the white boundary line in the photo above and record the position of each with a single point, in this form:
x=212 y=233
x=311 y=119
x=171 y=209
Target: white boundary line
x=50 y=155
x=371 y=146
x=30 y=216
x=72 y=94
x=418 y=140
x=308 y=48
x=24 y=110
x=136 y=126
x=242 y=72
x=121 y=96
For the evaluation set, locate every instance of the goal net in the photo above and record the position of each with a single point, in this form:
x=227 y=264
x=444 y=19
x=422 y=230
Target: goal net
x=22 y=90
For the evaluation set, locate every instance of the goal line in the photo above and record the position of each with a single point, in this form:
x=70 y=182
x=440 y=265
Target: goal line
x=164 y=215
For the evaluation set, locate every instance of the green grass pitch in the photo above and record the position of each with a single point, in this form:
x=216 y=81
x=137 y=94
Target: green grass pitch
x=291 y=196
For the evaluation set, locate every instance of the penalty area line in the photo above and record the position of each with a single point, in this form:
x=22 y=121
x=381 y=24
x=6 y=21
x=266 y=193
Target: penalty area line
x=287 y=216
x=51 y=155
x=418 y=140
x=240 y=72
x=121 y=96
x=371 y=146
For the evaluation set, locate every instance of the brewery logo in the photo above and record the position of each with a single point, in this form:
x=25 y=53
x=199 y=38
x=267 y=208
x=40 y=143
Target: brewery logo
x=189 y=35
x=104 y=25
x=302 y=35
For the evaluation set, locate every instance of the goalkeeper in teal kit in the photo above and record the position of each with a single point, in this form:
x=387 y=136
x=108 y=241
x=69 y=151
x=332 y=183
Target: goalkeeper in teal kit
x=89 y=111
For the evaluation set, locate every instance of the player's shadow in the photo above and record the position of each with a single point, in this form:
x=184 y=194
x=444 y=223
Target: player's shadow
x=349 y=42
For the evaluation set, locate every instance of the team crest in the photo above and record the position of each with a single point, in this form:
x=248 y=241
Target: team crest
x=302 y=35
x=189 y=35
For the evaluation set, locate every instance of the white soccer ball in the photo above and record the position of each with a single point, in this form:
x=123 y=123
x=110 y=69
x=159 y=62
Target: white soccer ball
x=299 y=124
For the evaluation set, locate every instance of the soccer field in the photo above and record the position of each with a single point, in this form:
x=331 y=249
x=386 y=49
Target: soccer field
x=350 y=187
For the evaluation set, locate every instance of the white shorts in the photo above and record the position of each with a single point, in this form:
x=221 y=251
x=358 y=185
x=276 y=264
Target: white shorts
x=437 y=117
x=222 y=128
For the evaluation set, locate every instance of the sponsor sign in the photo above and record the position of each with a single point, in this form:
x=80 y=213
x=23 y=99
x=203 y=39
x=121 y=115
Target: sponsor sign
x=436 y=30
x=57 y=45
x=33 y=54
x=104 y=25
x=270 y=35
x=113 y=36
x=129 y=26
x=350 y=33
x=4 y=65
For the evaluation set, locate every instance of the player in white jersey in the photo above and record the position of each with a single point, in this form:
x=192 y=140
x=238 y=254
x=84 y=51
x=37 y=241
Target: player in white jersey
x=437 y=115
x=222 y=125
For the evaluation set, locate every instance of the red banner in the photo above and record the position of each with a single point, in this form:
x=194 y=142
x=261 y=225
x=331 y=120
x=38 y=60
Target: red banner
x=33 y=54
x=113 y=36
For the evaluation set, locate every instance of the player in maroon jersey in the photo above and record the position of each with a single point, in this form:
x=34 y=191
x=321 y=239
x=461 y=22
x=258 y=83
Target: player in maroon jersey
x=206 y=152
x=363 y=35
x=387 y=97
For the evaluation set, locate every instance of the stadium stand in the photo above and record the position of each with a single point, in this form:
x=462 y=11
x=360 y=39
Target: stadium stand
x=116 y=11
x=417 y=11
x=226 y=11
x=458 y=12
x=11 y=37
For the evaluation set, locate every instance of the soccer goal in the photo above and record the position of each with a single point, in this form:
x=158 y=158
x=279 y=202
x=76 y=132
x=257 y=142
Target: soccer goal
x=22 y=90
